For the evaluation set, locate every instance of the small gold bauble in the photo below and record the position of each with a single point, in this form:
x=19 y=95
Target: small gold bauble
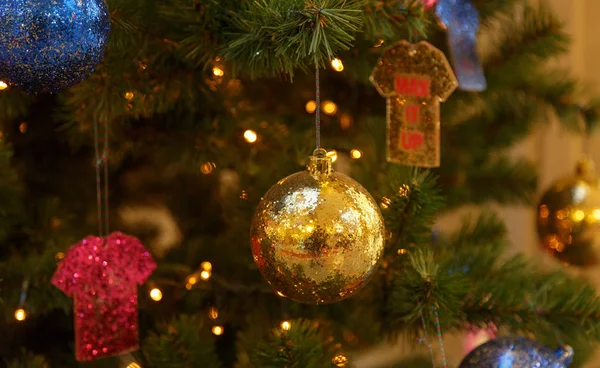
x=568 y=218
x=317 y=235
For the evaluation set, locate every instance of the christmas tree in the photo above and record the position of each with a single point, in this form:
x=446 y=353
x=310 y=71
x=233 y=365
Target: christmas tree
x=209 y=103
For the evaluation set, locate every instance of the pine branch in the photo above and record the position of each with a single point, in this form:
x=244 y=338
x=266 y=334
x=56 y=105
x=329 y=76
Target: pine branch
x=277 y=36
x=185 y=342
x=522 y=46
x=27 y=360
x=410 y=203
x=385 y=19
x=301 y=346
x=11 y=208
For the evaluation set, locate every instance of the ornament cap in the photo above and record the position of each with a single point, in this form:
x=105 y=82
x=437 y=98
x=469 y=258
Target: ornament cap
x=319 y=164
x=586 y=169
x=565 y=354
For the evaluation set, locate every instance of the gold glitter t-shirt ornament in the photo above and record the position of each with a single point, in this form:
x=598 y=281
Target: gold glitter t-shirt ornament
x=414 y=78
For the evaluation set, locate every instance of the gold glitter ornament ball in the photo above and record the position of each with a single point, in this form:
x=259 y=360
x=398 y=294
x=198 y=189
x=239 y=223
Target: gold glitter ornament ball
x=317 y=235
x=568 y=218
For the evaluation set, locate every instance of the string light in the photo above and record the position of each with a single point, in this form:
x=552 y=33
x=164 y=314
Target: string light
x=311 y=106
x=385 y=202
x=3 y=86
x=217 y=330
x=205 y=275
x=333 y=155
x=206 y=266
x=134 y=365
x=345 y=121
x=156 y=294
x=213 y=313
x=129 y=96
x=329 y=107
x=250 y=136
x=23 y=127
x=378 y=43
x=337 y=65
x=402 y=251
x=244 y=195
x=207 y=167
x=286 y=325
x=20 y=314
x=218 y=72
x=59 y=256
x=340 y=360
x=355 y=154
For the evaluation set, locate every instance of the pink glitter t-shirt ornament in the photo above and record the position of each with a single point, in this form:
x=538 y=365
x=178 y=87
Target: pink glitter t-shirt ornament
x=429 y=3
x=102 y=276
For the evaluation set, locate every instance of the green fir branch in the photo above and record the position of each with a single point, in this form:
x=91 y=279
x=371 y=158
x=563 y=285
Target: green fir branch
x=184 y=342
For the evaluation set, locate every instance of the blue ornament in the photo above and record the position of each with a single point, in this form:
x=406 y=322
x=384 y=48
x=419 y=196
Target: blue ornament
x=461 y=20
x=517 y=352
x=50 y=45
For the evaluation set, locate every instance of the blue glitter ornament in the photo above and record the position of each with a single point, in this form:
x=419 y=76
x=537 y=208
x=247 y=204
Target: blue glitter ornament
x=517 y=352
x=50 y=45
x=461 y=20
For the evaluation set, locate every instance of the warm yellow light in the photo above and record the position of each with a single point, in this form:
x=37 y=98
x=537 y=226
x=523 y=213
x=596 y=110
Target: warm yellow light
x=244 y=195
x=218 y=71
x=329 y=107
x=345 y=121
x=544 y=211
x=337 y=65
x=156 y=294
x=59 y=256
x=578 y=215
x=129 y=96
x=279 y=293
x=213 y=313
x=192 y=280
x=20 y=314
x=333 y=155
x=3 y=86
x=205 y=275
x=23 y=127
x=286 y=325
x=134 y=365
x=378 y=43
x=355 y=154
x=250 y=136
x=217 y=330
x=340 y=360
x=596 y=214
x=402 y=251
x=311 y=106
x=207 y=167
x=206 y=266
x=189 y=286
x=385 y=202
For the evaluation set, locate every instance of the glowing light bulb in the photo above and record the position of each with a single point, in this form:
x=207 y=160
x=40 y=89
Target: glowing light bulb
x=385 y=202
x=279 y=293
x=218 y=72
x=207 y=168
x=20 y=314
x=402 y=251
x=286 y=325
x=205 y=275
x=23 y=127
x=578 y=215
x=311 y=106
x=329 y=107
x=129 y=96
x=156 y=294
x=337 y=65
x=134 y=365
x=59 y=256
x=340 y=360
x=3 y=86
x=213 y=313
x=345 y=121
x=206 y=266
x=333 y=155
x=355 y=154
x=217 y=330
x=250 y=136
x=192 y=280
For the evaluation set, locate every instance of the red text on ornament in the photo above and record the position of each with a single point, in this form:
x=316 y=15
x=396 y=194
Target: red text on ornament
x=412 y=114
x=413 y=86
x=411 y=140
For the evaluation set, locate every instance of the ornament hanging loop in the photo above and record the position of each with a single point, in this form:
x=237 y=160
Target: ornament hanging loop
x=319 y=164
